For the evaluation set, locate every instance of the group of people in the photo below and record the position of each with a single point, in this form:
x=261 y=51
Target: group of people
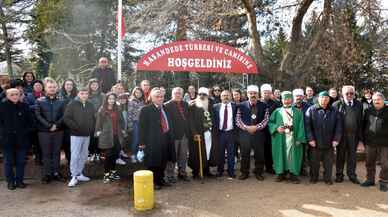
x=290 y=133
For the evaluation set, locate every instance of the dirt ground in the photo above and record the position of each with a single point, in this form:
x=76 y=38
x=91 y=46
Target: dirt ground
x=214 y=198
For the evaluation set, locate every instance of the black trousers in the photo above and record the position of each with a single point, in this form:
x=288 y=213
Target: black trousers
x=347 y=152
x=93 y=147
x=268 y=151
x=66 y=145
x=322 y=155
x=50 y=143
x=14 y=156
x=158 y=170
x=372 y=154
x=111 y=155
x=158 y=174
x=255 y=142
x=36 y=150
x=305 y=159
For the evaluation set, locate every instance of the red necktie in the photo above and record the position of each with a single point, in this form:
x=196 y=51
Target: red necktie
x=163 y=122
x=225 y=124
x=180 y=108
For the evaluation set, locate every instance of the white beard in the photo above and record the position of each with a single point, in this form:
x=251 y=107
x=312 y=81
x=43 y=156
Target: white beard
x=202 y=104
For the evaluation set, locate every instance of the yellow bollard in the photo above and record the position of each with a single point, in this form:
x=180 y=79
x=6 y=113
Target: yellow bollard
x=143 y=190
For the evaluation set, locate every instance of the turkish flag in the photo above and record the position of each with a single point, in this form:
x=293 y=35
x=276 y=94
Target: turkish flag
x=122 y=24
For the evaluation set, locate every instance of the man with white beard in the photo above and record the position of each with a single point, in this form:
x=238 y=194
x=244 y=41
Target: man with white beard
x=200 y=120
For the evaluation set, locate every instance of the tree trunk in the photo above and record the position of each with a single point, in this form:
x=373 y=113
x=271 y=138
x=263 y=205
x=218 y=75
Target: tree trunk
x=288 y=63
x=255 y=43
x=308 y=55
x=297 y=58
x=6 y=40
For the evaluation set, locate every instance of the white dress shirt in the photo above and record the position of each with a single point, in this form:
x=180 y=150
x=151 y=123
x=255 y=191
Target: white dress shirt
x=230 y=116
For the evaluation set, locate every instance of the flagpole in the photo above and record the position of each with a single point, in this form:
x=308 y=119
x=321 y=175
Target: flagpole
x=119 y=39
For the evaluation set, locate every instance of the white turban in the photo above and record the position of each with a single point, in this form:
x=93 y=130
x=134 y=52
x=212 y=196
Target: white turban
x=298 y=92
x=253 y=88
x=266 y=87
x=203 y=90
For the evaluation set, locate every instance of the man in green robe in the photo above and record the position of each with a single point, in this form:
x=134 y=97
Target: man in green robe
x=287 y=131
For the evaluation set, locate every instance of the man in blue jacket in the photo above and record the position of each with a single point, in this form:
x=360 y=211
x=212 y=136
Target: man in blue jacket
x=324 y=130
x=49 y=113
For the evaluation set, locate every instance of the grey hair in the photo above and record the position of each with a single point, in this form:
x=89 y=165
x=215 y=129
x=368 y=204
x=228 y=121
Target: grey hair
x=175 y=89
x=379 y=94
x=346 y=87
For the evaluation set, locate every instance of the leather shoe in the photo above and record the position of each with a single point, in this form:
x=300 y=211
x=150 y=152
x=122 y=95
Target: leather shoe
x=339 y=179
x=355 y=181
x=243 y=176
x=383 y=187
x=157 y=187
x=184 y=178
x=58 y=177
x=46 y=180
x=280 y=178
x=367 y=183
x=11 y=186
x=294 y=179
x=259 y=177
x=329 y=182
x=21 y=185
x=165 y=184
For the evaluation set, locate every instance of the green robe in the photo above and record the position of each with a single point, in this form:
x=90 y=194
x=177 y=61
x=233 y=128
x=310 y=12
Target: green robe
x=287 y=157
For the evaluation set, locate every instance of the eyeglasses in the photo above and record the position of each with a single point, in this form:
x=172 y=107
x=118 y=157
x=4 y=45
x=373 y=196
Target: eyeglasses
x=350 y=93
x=217 y=90
x=202 y=94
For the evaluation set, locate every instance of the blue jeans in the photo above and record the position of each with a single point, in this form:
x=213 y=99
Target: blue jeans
x=226 y=142
x=135 y=137
x=14 y=157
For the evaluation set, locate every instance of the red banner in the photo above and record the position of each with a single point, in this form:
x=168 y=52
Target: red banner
x=197 y=56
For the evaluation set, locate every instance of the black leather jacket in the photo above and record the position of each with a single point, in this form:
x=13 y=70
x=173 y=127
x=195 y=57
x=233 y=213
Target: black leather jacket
x=376 y=127
x=323 y=126
x=49 y=111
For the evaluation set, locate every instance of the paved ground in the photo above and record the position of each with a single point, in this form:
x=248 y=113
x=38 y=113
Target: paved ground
x=217 y=197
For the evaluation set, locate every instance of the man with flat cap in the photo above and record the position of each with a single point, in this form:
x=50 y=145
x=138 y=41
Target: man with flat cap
x=288 y=136
x=252 y=118
x=324 y=131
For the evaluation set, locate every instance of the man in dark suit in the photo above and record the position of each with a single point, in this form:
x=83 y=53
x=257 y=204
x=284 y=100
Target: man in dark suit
x=224 y=125
x=252 y=118
x=178 y=110
x=155 y=137
x=352 y=120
